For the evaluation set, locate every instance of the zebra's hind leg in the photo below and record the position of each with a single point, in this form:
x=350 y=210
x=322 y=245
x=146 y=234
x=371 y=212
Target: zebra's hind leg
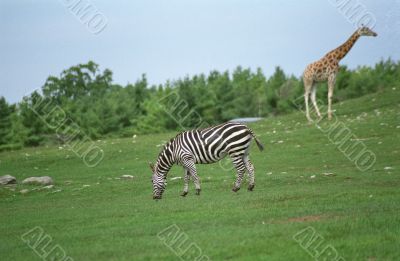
x=250 y=170
x=240 y=168
x=186 y=180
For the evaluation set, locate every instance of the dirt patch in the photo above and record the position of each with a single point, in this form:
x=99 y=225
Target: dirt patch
x=311 y=218
x=305 y=219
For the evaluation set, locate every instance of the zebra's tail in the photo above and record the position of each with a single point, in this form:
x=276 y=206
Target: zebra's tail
x=259 y=145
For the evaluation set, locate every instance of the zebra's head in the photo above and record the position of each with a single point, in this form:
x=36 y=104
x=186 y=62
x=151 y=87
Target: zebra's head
x=158 y=181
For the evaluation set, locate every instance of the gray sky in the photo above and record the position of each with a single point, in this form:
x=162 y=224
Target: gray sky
x=174 y=38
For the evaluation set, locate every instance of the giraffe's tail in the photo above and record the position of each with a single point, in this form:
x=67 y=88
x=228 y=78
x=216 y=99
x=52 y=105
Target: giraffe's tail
x=259 y=144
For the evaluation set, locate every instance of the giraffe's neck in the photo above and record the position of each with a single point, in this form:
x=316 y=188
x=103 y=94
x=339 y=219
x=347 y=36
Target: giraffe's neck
x=342 y=50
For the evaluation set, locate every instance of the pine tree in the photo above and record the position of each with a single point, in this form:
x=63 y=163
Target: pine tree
x=5 y=122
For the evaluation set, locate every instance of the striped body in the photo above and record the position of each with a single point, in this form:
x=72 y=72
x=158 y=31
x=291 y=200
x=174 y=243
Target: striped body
x=203 y=146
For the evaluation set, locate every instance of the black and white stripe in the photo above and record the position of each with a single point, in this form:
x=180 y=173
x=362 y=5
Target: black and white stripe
x=203 y=146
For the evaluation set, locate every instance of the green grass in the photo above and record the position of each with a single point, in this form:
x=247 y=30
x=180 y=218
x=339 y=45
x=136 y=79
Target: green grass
x=355 y=212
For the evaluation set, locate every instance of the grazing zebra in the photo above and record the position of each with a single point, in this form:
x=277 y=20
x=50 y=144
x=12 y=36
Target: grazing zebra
x=205 y=146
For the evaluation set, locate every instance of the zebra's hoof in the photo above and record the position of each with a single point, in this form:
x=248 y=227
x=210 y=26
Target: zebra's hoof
x=184 y=193
x=235 y=189
x=251 y=187
x=198 y=192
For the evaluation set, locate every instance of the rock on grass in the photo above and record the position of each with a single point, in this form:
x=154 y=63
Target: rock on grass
x=45 y=180
x=127 y=177
x=7 y=179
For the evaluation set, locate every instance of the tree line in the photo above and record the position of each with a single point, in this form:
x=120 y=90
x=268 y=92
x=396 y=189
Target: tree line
x=101 y=108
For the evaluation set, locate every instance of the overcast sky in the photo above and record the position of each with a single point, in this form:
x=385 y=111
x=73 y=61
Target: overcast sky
x=174 y=38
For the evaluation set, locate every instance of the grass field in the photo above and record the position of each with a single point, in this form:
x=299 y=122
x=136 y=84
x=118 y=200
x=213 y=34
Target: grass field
x=354 y=212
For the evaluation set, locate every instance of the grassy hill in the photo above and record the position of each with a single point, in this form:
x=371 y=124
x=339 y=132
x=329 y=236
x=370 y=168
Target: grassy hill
x=303 y=183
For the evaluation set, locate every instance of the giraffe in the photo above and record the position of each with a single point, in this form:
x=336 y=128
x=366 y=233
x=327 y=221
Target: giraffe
x=326 y=69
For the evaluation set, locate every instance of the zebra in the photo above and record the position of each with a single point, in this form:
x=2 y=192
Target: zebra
x=204 y=146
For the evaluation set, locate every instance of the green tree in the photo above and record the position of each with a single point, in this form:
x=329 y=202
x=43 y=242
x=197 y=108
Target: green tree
x=273 y=86
x=5 y=122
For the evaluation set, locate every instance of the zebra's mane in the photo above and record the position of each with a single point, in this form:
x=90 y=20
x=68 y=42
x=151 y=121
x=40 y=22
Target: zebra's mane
x=166 y=145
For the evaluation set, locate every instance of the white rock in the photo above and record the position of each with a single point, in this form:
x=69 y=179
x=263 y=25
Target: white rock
x=7 y=179
x=24 y=191
x=48 y=187
x=45 y=180
x=312 y=177
x=388 y=168
x=127 y=177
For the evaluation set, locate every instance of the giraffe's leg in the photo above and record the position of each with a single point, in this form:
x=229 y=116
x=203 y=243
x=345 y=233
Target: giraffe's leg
x=191 y=167
x=331 y=86
x=307 y=88
x=239 y=164
x=314 y=99
x=250 y=170
x=186 y=180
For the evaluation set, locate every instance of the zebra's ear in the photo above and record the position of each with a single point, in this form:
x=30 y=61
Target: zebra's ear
x=151 y=165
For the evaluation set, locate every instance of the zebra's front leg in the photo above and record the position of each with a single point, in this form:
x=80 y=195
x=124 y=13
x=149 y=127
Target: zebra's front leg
x=196 y=180
x=240 y=167
x=191 y=167
x=186 y=179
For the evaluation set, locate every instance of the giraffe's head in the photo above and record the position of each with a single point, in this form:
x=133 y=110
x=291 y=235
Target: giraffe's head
x=158 y=181
x=365 y=31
